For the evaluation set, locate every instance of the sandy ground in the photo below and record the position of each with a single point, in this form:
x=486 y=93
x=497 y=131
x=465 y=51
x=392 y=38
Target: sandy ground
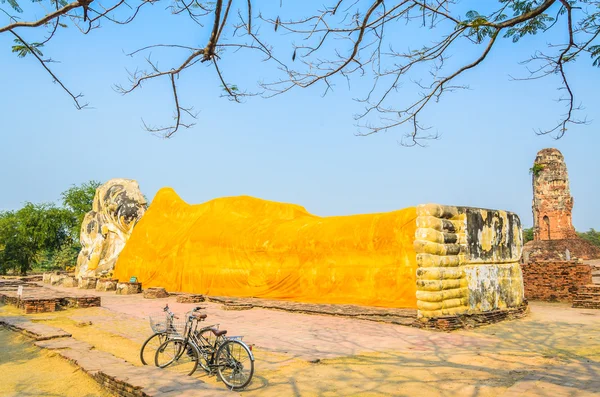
x=26 y=370
x=555 y=351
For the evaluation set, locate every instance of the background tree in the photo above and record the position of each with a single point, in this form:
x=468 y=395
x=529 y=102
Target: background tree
x=591 y=235
x=338 y=41
x=527 y=235
x=44 y=235
x=79 y=200
x=28 y=233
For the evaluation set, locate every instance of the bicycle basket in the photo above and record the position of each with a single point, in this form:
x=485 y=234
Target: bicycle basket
x=162 y=323
x=159 y=322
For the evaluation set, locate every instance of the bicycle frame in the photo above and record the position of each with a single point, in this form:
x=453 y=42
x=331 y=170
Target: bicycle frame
x=205 y=347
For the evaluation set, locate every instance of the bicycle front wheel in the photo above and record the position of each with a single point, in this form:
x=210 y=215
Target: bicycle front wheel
x=235 y=364
x=148 y=350
x=177 y=356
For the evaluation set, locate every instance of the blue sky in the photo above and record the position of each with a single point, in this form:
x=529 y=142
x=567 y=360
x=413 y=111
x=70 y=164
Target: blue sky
x=299 y=148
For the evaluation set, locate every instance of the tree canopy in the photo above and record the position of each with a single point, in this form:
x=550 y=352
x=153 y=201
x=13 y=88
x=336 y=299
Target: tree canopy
x=44 y=233
x=336 y=42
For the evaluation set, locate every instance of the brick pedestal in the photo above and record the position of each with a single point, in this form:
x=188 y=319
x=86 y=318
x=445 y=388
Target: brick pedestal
x=69 y=281
x=88 y=283
x=155 y=293
x=106 y=285
x=57 y=279
x=129 y=288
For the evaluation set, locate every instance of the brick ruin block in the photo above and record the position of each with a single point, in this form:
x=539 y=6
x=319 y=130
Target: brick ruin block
x=190 y=298
x=106 y=285
x=129 y=288
x=155 y=293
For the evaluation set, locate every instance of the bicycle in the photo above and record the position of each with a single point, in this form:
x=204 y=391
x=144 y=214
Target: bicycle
x=230 y=358
x=163 y=327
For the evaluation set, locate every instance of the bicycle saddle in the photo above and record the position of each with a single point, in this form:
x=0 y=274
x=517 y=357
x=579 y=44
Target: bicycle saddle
x=217 y=332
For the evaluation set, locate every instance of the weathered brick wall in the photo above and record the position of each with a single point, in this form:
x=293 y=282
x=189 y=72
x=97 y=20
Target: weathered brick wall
x=37 y=305
x=555 y=280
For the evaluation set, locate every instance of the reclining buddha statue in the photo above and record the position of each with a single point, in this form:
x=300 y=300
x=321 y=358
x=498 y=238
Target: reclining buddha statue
x=441 y=260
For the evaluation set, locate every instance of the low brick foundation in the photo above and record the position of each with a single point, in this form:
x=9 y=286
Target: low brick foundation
x=129 y=288
x=38 y=299
x=555 y=281
x=37 y=305
x=451 y=323
x=80 y=302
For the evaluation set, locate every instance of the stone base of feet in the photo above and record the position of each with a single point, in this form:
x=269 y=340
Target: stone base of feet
x=88 y=283
x=106 y=285
x=129 y=288
x=190 y=298
x=155 y=293
x=450 y=323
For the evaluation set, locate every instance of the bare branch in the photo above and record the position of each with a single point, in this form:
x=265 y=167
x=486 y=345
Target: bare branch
x=55 y=79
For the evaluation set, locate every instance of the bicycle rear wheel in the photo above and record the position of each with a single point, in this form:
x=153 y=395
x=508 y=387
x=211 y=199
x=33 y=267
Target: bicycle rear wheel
x=235 y=364
x=177 y=356
x=148 y=350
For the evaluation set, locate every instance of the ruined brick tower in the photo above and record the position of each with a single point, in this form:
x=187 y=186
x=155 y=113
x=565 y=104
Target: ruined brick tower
x=554 y=237
x=552 y=201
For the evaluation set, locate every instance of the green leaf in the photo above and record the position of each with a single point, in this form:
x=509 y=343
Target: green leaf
x=13 y=3
x=595 y=54
x=22 y=50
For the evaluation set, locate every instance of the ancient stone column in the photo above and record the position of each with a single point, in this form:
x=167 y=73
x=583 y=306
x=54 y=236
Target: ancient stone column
x=552 y=201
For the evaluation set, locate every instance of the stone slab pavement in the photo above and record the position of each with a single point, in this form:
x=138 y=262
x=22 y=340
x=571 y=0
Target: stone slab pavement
x=554 y=351
x=35 y=330
x=304 y=336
